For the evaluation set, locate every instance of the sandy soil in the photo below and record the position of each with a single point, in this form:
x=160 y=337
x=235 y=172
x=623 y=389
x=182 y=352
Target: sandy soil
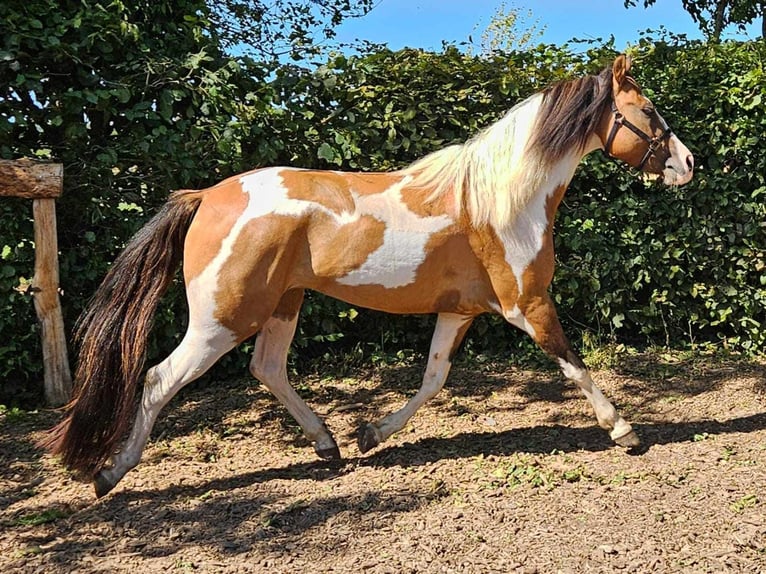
x=505 y=471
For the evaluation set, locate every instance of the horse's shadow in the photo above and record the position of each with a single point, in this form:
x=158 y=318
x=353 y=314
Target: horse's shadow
x=293 y=519
x=650 y=378
x=232 y=498
x=653 y=378
x=539 y=439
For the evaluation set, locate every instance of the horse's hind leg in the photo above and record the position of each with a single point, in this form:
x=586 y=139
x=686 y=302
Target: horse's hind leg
x=449 y=332
x=269 y=365
x=197 y=352
x=541 y=322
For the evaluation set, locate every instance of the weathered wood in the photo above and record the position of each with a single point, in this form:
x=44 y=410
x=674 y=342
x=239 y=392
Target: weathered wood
x=30 y=179
x=58 y=380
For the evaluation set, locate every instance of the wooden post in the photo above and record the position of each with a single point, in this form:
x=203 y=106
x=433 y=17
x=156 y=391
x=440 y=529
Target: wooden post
x=30 y=179
x=43 y=182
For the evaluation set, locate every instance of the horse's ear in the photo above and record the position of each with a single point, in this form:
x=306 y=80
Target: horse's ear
x=621 y=69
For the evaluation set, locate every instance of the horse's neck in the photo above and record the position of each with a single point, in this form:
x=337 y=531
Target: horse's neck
x=525 y=236
x=544 y=199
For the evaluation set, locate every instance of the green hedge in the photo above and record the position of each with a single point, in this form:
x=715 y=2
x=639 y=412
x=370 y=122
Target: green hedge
x=134 y=99
x=135 y=107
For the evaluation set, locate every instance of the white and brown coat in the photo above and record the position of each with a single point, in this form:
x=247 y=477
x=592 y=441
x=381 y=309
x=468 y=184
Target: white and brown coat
x=464 y=231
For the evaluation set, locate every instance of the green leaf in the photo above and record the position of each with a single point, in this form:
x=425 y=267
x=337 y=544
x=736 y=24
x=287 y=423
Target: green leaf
x=326 y=152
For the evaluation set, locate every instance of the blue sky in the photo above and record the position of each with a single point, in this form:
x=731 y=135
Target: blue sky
x=425 y=23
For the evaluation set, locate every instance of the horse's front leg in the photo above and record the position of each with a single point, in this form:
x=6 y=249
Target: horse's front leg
x=449 y=332
x=539 y=319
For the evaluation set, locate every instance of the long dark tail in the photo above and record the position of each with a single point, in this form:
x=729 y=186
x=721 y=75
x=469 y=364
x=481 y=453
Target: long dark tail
x=113 y=333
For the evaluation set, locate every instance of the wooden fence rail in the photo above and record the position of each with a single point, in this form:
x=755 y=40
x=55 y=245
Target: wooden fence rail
x=43 y=182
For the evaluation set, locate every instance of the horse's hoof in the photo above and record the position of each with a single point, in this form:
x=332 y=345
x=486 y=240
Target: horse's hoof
x=368 y=438
x=628 y=440
x=331 y=453
x=102 y=485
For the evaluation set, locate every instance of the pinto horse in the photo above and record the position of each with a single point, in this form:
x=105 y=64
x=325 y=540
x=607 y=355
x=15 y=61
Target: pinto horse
x=464 y=231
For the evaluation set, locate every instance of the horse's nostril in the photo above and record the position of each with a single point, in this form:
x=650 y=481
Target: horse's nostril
x=690 y=162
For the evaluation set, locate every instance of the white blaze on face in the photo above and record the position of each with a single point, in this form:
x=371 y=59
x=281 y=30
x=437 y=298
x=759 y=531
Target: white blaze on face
x=679 y=167
x=396 y=261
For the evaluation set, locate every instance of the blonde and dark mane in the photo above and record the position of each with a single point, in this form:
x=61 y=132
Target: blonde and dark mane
x=495 y=174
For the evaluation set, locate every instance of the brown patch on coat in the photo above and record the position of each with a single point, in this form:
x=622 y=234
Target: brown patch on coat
x=417 y=201
x=221 y=206
x=331 y=190
x=289 y=305
x=265 y=262
x=335 y=190
x=449 y=299
x=540 y=312
x=336 y=250
x=490 y=252
x=368 y=183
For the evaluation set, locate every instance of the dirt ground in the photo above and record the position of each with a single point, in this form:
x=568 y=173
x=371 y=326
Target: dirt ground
x=505 y=471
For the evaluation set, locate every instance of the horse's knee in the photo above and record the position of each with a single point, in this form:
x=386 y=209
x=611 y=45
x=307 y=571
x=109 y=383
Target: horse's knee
x=266 y=370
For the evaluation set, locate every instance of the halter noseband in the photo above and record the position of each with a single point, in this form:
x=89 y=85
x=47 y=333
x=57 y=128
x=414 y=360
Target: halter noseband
x=654 y=142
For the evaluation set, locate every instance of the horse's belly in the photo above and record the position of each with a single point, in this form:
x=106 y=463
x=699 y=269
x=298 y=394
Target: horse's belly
x=446 y=278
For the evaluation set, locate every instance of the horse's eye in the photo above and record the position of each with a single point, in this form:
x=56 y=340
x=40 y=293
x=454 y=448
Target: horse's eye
x=648 y=110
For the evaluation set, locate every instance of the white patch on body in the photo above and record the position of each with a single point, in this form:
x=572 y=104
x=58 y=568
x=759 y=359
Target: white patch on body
x=396 y=261
x=523 y=239
x=516 y=318
x=393 y=264
x=266 y=194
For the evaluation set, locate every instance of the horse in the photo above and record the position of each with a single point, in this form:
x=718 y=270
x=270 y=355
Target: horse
x=463 y=231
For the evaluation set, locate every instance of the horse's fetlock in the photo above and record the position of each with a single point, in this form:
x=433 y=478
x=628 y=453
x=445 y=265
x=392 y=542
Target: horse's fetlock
x=369 y=437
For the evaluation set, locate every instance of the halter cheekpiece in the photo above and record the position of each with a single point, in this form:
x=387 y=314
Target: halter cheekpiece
x=654 y=142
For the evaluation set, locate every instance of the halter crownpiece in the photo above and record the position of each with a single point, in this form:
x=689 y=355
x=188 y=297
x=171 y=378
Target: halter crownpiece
x=654 y=142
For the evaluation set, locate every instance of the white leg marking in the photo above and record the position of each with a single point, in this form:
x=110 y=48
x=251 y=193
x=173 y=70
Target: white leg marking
x=269 y=365
x=448 y=328
x=607 y=416
x=195 y=355
x=515 y=317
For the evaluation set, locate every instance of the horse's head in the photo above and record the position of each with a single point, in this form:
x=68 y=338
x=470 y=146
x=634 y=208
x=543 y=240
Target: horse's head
x=633 y=131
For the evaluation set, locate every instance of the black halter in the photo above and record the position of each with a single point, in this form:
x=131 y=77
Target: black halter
x=654 y=142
